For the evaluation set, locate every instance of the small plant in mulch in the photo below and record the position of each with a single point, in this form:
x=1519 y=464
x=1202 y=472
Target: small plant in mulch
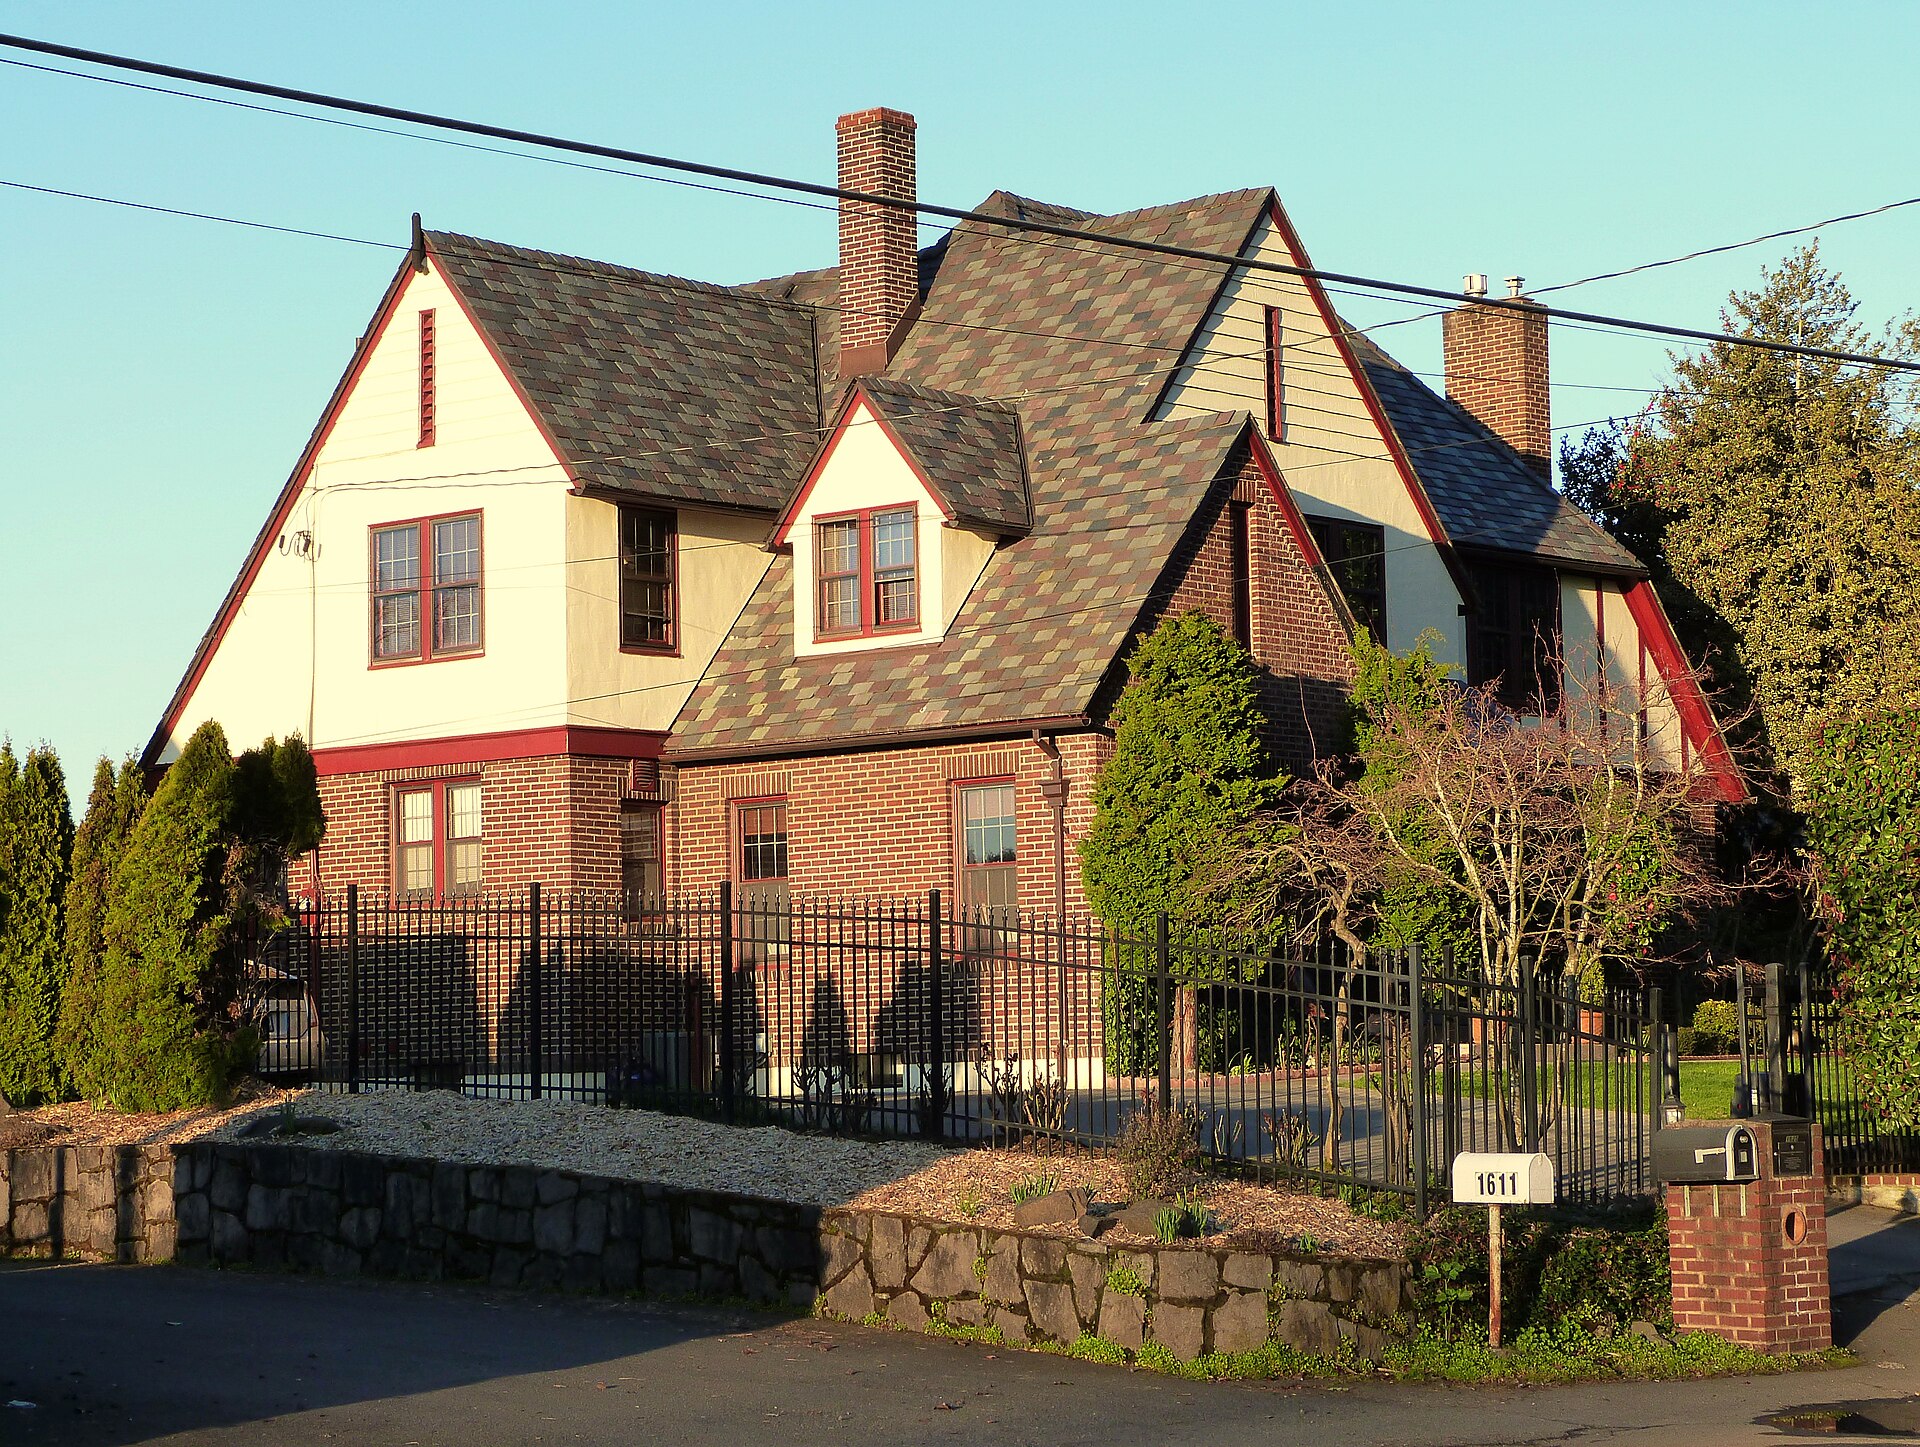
x=1184 y=1219
x=971 y=1202
x=1032 y=1188
x=1158 y=1150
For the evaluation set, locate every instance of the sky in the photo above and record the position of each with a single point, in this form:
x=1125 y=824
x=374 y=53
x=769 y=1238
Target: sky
x=159 y=375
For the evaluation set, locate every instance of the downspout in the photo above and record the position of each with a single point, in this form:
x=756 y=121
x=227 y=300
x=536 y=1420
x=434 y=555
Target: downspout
x=1054 y=790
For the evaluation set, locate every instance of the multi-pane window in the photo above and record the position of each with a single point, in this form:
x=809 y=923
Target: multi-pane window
x=640 y=854
x=428 y=365
x=760 y=871
x=1516 y=635
x=989 y=848
x=1356 y=555
x=1276 y=376
x=1240 y=538
x=867 y=568
x=438 y=837
x=647 y=538
x=425 y=589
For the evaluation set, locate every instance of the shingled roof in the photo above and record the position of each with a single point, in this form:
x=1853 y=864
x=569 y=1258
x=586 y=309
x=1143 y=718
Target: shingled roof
x=969 y=449
x=1077 y=340
x=1485 y=494
x=671 y=389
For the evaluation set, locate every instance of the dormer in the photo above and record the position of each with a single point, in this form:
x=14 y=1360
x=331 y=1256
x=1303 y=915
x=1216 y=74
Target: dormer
x=891 y=526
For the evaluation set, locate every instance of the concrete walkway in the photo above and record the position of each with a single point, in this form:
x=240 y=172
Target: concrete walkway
x=123 y=1355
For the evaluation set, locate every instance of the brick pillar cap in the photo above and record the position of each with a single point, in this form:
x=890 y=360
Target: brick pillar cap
x=875 y=115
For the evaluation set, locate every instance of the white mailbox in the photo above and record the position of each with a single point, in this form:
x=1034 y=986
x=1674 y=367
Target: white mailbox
x=1502 y=1178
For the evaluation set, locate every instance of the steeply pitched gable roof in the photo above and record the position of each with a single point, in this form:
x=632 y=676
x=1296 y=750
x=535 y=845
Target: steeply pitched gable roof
x=1076 y=339
x=969 y=450
x=1485 y=495
x=665 y=388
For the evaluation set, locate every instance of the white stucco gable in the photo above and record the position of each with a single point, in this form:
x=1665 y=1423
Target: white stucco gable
x=860 y=491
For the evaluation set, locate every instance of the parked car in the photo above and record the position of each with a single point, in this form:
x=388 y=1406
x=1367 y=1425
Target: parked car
x=291 y=1041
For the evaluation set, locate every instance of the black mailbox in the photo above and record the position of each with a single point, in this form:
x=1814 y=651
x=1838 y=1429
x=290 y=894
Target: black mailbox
x=1705 y=1153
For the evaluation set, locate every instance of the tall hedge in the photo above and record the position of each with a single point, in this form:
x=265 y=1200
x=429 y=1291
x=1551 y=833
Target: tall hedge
x=1188 y=770
x=112 y=807
x=1863 y=828
x=162 y=1043
x=36 y=841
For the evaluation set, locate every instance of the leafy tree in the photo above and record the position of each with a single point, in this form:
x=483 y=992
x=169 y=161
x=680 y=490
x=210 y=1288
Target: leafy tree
x=163 y=1040
x=1777 y=499
x=112 y=807
x=36 y=841
x=1188 y=769
x=1864 y=834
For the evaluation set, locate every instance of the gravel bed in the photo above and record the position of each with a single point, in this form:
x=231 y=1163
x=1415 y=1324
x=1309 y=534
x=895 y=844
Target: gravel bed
x=634 y=1145
x=969 y=1186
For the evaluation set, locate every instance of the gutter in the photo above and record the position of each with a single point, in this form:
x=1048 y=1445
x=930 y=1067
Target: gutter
x=948 y=734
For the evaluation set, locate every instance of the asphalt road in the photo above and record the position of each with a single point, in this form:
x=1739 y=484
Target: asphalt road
x=116 y=1355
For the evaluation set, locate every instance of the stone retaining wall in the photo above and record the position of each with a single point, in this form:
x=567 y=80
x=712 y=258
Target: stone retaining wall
x=279 y=1207
x=1032 y=1289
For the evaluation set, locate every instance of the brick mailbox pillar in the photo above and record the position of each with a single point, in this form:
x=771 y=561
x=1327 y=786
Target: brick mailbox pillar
x=1749 y=1256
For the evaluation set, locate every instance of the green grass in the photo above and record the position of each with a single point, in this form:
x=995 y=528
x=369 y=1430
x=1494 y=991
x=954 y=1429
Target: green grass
x=1706 y=1087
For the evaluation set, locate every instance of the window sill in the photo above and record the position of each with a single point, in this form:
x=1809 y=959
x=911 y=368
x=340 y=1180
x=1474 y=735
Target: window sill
x=383 y=663
x=651 y=650
x=892 y=630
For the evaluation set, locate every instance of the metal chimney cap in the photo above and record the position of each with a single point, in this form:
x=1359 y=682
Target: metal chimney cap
x=1474 y=283
x=1515 y=286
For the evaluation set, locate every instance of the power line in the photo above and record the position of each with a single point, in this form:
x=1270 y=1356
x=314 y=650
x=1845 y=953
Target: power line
x=201 y=215
x=710 y=171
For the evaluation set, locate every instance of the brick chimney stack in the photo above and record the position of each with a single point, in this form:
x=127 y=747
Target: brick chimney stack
x=879 y=245
x=1496 y=362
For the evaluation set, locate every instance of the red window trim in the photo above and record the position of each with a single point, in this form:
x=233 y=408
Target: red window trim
x=427 y=653
x=428 y=393
x=736 y=839
x=670 y=649
x=396 y=875
x=960 y=866
x=1276 y=376
x=869 y=607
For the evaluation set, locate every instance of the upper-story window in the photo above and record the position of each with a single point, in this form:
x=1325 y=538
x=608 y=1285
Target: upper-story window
x=647 y=581
x=425 y=589
x=427 y=367
x=1276 y=375
x=1516 y=635
x=1356 y=555
x=867 y=567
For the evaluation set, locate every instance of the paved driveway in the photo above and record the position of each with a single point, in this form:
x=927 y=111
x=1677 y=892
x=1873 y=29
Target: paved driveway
x=116 y=1355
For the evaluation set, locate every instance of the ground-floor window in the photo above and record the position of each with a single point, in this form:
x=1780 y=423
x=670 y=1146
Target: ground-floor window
x=760 y=875
x=640 y=853
x=438 y=838
x=989 y=854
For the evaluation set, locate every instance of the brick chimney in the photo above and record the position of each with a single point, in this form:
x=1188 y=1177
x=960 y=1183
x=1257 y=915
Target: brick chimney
x=1496 y=361
x=879 y=250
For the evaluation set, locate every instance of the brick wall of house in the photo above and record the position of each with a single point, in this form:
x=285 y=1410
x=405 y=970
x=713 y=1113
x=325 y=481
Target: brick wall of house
x=555 y=819
x=1298 y=641
x=882 y=822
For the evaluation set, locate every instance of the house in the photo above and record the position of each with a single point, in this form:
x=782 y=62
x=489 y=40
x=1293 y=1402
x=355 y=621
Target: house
x=603 y=578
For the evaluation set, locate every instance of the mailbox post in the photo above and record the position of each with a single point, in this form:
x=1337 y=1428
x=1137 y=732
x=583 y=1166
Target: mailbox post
x=1495 y=1179
x=1747 y=1230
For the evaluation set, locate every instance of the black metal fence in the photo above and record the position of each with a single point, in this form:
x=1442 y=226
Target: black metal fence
x=898 y=1017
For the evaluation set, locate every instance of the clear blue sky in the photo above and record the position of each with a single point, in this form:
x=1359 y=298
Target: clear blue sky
x=158 y=376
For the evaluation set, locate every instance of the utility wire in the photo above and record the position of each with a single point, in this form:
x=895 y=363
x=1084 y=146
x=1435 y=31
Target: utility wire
x=710 y=171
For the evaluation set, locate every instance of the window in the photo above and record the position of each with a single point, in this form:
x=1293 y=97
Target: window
x=760 y=871
x=1356 y=554
x=868 y=574
x=425 y=589
x=647 y=538
x=1516 y=635
x=1239 y=518
x=427 y=398
x=989 y=848
x=438 y=838
x=1276 y=377
x=640 y=878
